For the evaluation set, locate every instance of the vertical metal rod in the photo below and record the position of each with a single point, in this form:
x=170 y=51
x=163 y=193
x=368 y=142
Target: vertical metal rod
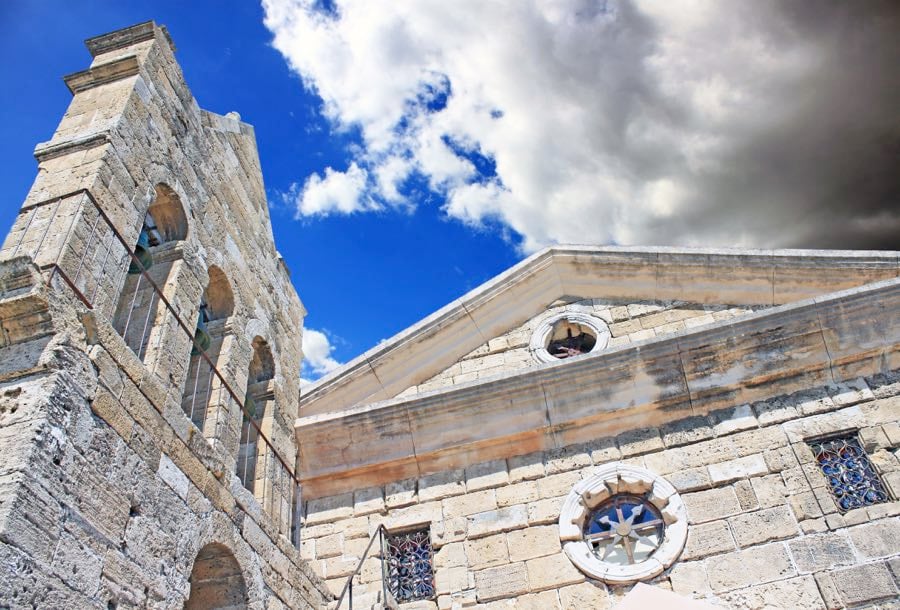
x=144 y=336
x=246 y=459
x=161 y=331
x=209 y=381
x=137 y=289
x=47 y=230
x=265 y=472
x=102 y=267
x=384 y=577
x=86 y=247
x=350 y=592
x=196 y=380
x=25 y=230
x=277 y=497
x=75 y=218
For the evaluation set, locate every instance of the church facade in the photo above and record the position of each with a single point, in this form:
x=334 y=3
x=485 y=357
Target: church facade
x=594 y=428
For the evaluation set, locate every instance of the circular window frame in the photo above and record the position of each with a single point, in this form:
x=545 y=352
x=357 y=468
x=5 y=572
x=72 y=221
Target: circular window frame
x=541 y=336
x=609 y=481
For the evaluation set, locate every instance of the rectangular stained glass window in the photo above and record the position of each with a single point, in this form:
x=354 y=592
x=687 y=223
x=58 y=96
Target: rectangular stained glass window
x=409 y=565
x=850 y=474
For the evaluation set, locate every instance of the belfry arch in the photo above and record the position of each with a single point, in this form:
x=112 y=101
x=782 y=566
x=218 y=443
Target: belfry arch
x=216 y=581
x=139 y=312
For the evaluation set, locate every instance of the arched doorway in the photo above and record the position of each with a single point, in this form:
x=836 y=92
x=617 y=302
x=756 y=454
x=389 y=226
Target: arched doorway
x=216 y=581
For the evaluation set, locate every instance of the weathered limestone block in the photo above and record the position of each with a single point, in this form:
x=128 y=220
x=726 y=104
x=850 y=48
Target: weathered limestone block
x=532 y=542
x=690 y=579
x=707 y=539
x=865 y=583
x=517 y=493
x=792 y=594
x=552 y=571
x=732 y=470
x=486 y=475
x=878 y=539
x=544 y=511
x=711 y=504
x=752 y=566
x=486 y=552
x=504 y=581
x=584 y=595
x=822 y=552
x=525 y=467
x=469 y=504
x=501 y=520
x=763 y=525
x=442 y=485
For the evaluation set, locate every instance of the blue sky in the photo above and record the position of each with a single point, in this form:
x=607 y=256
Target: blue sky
x=362 y=277
x=412 y=151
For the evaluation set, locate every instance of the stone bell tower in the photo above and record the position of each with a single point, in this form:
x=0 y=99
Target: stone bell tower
x=149 y=348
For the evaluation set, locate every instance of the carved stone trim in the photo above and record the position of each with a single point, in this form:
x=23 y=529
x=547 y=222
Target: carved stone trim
x=611 y=480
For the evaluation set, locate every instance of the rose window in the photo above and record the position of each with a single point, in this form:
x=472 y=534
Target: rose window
x=624 y=530
x=623 y=525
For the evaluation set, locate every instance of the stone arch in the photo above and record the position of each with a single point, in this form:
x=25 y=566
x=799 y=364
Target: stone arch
x=167 y=212
x=252 y=458
x=217 y=582
x=203 y=400
x=262 y=364
x=218 y=297
x=139 y=313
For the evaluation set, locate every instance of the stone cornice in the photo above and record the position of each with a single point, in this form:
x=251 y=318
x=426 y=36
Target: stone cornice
x=104 y=73
x=713 y=276
x=53 y=149
x=778 y=351
x=126 y=37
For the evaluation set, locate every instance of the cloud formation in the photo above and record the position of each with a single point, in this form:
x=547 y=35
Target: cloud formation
x=576 y=121
x=317 y=358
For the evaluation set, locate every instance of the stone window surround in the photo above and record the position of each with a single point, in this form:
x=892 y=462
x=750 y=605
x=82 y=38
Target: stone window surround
x=609 y=480
x=539 y=339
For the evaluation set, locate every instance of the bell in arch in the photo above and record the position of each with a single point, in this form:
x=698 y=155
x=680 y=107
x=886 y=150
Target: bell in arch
x=202 y=339
x=142 y=252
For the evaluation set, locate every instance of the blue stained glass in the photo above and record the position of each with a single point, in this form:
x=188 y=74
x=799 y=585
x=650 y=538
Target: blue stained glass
x=409 y=568
x=624 y=530
x=852 y=478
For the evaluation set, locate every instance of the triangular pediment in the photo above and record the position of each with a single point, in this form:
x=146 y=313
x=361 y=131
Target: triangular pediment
x=641 y=294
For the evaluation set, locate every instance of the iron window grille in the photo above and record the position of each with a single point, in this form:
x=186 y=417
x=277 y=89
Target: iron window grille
x=410 y=574
x=852 y=478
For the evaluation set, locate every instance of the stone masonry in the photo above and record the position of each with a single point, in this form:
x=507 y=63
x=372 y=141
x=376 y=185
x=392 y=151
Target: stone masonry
x=154 y=441
x=129 y=475
x=764 y=530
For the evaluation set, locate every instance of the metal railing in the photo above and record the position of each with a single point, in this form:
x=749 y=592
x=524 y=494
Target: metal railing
x=90 y=255
x=347 y=592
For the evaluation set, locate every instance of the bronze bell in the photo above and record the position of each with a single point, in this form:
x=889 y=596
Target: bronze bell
x=142 y=252
x=202 y=339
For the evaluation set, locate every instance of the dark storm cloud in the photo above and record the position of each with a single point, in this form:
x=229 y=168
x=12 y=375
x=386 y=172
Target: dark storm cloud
x=699 y=123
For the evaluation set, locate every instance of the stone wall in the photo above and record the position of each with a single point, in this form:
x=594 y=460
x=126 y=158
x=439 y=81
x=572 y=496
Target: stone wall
x=764 y=530
x=110 y=497
x=628 y=323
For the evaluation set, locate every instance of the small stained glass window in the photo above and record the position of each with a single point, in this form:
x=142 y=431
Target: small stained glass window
x=624 y=530
x=850 y=474
x=409 y=565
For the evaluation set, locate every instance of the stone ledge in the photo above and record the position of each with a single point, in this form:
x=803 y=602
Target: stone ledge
x=759 y=356
x=720 y=276
x=102 y=74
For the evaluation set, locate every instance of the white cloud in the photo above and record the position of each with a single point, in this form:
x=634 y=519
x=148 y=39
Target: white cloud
x=336 y=192
x=317 y=358
x=701 y=121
